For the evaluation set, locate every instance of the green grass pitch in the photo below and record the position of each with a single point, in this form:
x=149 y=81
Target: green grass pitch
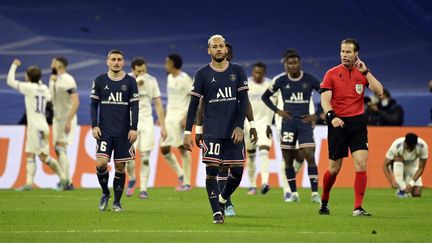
x=73 y=216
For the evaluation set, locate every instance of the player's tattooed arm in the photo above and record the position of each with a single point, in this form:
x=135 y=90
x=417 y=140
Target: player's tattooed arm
x=198 y=123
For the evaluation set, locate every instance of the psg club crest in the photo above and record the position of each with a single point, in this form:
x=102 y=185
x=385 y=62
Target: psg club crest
x=233 y=77
x=359 y=88
x=123 y=87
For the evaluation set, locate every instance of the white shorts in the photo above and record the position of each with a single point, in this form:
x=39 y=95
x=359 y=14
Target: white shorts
x=37 y=142
x=263 y=140
x=59 y=134
x=409 y=171
x=174 y=132
x=145 y=141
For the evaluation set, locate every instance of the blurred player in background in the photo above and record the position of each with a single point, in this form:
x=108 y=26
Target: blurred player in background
x=342 y=99
x=223 y=86
x=407 y=155
x=263 y=117
x=114 y=117
x=149 y=93
x=65 y=101
x=36 y=97
x=296 y=89
x=179 y=85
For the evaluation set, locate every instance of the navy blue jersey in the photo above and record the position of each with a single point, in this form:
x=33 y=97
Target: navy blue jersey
x=223 y=92
x=296 y=93
x=117 y=99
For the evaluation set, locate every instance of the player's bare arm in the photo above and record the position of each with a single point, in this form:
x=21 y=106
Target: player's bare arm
x=326 y=97
x=74 y=108
x=96 y=132
x=252 y=131
x=389 y=173
x=161 y=116
x=417 y=175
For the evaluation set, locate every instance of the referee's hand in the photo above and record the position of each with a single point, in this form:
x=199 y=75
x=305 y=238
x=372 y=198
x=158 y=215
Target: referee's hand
x=337 y=122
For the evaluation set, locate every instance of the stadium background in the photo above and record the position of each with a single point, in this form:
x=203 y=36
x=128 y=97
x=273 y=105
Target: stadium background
x=395 y=38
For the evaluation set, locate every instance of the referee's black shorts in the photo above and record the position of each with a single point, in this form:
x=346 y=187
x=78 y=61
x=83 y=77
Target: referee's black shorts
x=353 y=136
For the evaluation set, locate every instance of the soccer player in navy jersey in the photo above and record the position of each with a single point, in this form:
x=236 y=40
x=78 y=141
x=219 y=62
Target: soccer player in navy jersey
x=223 y=86
x=296 y=89
x=114 y=117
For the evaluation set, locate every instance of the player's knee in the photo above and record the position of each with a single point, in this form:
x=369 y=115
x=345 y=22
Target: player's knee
x=145 y=157
x=183 y=150
x=59 y=149
x=212 y=171
x=43 y=157
x=120 y=167
x=101 y=169
x=165 y=150
x=236 y=172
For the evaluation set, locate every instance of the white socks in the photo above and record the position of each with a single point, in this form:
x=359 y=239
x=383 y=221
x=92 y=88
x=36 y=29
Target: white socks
x=186 y=158
x=174 y=164
x=264 y=159
x=145 y=171
x=398 y=172
x=130 y=169
x=30 y=171
x=63 y=162
x=251 y=169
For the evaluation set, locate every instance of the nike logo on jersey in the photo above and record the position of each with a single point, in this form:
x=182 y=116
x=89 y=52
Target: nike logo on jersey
x=106 y=87
x=213 y=80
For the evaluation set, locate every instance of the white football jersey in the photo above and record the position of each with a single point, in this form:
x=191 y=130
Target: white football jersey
x=60 y=91
x=36 y=97
x=147 y=92
x=397 y=149
x=178 y=89
x=262 y=114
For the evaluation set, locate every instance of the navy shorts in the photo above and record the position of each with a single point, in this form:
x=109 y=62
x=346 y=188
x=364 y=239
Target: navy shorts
x=223 y=151
x=295 y=129
x=123 y=149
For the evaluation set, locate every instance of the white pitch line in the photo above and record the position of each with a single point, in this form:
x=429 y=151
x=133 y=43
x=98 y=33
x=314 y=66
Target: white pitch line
x=169 y=231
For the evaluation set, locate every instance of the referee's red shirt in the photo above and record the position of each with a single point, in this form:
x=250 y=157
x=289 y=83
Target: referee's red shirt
x=348 y=88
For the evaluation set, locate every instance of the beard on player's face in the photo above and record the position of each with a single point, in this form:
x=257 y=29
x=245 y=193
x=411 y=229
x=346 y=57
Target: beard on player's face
x=218 y=58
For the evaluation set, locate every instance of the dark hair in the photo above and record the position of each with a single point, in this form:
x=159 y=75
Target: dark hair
x=411 y=140
x=176 y=59
x=230 y=54
x=260 y=65
x=352 y=41
x=386 y=93
x=290 y=53
x=115 y=51
x=34 y=74
x=137 y=61
x=62 y=60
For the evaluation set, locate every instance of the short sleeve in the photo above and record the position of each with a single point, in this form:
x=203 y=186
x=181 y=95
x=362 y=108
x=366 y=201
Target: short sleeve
x=198 y=84
x=392 y=151
x=424 y=151
x=242 y=80
x=71 y=86
x=327 y=83
x=133 y=90
x=155 y=89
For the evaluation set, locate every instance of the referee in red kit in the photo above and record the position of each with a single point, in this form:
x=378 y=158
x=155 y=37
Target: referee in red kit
x=342 y=93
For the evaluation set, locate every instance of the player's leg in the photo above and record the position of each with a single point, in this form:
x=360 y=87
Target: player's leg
x=288 y=142
x=123 y=152
x=187 y=168
x=307 y=147
x=212 y=158
x=130 y=171
x=410 y=170
x=104 y=147
x=299 y=159
x=144 y=174
x=60 y=146
x=30 y=148
x=233 y=156
x=264 y=168
x=43 y=153
x=398 y=172
x=251 y=168
x=285 y=185
x=222 y=179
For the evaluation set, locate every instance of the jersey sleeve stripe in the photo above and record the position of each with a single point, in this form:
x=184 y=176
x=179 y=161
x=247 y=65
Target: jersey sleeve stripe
x=243 y=88
x=134 y=99
x=94 y=97
x=196 y=94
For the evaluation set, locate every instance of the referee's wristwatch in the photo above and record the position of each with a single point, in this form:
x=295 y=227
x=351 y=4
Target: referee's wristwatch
x=330 y=116
x=365 y=72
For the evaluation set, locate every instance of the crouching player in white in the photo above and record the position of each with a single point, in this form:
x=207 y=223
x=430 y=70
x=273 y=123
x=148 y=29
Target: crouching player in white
x=148 y=90
x=408 y=155
x=36 y=96
x=263 y=116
